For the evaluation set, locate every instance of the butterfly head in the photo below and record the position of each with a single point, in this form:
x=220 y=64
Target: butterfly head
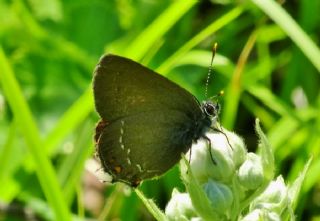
x=211 y=107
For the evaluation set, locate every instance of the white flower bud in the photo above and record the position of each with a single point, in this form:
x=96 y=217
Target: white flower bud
x=196 y=219
x=261 y=214
x=180 y=207
x=228 y=152
x=250 y=174
x=274 y=198
x=239 y=150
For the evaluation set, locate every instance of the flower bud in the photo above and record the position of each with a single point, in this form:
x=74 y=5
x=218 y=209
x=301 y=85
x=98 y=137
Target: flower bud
x=180 y=207
x=196 y=219
x=199 y=161
x=261 y=214
x=239 y=150
x=250 y=174
x=274 y=198
x=220 y=196
x=228 y=152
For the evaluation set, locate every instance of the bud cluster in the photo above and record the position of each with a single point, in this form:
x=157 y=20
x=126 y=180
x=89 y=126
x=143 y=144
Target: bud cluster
x=232 y=184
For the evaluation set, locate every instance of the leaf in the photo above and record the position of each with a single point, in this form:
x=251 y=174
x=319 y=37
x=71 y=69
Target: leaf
x=152 y=207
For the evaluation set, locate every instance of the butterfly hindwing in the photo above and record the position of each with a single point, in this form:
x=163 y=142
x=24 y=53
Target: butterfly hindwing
x=143 y=146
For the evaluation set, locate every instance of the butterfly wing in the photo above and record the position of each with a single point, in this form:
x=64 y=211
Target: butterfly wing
x=147 y=120
x=143 y=146
x=123 y=87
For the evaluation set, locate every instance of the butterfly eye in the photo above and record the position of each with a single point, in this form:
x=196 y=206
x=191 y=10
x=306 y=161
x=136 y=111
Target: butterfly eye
x=211 y=109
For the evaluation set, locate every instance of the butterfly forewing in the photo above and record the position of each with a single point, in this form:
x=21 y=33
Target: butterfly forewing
x=123 y=87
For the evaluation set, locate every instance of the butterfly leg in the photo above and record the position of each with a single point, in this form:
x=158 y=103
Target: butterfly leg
x=190 y=152
x=209 y=146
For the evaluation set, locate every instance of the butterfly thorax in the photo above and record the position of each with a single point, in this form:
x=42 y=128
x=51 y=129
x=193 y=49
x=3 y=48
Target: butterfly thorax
x=201 y=127
x=210 y=112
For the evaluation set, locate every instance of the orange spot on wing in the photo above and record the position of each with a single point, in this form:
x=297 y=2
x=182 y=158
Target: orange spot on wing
x=117 y=169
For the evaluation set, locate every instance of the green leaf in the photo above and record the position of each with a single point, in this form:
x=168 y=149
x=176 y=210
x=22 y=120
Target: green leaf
x=266 y=153
x=295 y=187
x=152 y=207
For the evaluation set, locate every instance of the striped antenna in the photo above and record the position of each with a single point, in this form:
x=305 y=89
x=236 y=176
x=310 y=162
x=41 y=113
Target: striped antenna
x=214 y=49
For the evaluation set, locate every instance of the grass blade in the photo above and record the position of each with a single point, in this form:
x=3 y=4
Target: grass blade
x=45 y=171
x=292 y=29
x=158 y=28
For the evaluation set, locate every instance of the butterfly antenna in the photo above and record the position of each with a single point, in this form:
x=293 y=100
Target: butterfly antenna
x=217 y=96
x=214 y=49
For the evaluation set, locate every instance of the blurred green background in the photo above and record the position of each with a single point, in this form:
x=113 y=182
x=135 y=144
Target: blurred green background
x=268 y=64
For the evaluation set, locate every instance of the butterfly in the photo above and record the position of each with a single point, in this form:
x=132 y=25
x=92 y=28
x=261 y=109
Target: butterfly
x=147 y=121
